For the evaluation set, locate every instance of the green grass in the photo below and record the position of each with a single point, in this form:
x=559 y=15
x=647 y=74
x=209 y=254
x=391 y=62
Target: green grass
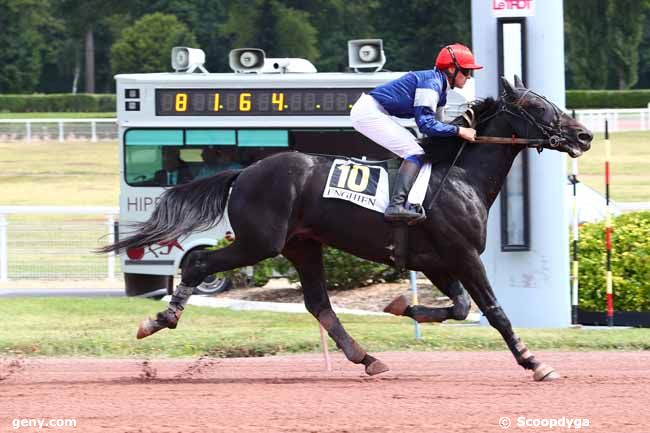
x=56 y=115
x=630 y=166
x=53 y=173
x=106 y=328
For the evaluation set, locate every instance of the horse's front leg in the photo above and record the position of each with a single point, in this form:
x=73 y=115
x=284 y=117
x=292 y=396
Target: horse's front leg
x=307 y=257
x=423 y=314
x=478 y=286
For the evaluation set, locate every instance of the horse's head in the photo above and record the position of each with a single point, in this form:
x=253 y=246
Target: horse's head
x=534 y=116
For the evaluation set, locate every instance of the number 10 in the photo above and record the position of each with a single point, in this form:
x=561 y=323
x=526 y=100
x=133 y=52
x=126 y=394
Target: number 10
x=349 y=176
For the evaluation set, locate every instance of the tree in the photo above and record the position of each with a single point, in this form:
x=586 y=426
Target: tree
x=644 y=54
x=336 y=22
x=586 y=43
x=146 y=45
x=202 y=17
x=414 y=31
x=22 y=44
x=625 y=29
x=83 y=17
x=279 y=30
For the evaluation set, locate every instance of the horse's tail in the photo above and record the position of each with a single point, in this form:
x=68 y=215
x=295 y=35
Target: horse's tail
x=195 y=206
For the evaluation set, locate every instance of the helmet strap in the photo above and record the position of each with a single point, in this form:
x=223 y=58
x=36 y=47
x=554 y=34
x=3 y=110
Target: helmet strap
x=456 y=66
x=452 y=77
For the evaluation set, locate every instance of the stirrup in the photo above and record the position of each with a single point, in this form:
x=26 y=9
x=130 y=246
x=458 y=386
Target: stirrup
x=411 y=215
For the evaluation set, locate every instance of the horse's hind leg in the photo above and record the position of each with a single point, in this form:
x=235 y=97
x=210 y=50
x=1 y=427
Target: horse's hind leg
x=200 y=264
x=307 y=257
x=422 y=314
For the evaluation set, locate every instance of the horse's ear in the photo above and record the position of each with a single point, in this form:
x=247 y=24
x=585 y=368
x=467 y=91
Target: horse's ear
x=518 y=83
x=510 y=91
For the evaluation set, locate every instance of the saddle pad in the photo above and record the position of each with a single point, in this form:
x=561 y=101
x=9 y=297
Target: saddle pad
x=366 y=185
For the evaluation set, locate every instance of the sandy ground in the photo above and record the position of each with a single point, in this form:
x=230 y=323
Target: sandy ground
x=433 y=392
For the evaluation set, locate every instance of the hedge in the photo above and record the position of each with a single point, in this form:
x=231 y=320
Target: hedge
x=58 y=103
x=630 y=264
x=607 y=98
x=342 y=270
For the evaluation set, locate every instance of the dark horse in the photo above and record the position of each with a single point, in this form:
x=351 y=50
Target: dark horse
x=276 y=207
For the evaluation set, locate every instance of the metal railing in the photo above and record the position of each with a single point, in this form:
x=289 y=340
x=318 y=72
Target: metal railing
x=57 y=129
x=56 y=242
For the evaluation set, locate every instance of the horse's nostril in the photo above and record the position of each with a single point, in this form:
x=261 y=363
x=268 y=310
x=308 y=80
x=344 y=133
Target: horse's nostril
x=585 y=138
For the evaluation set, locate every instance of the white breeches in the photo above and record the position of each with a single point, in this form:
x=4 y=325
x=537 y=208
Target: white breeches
x=371 y=119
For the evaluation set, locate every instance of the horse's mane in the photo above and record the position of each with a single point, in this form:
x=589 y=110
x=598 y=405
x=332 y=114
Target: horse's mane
x=445 y=148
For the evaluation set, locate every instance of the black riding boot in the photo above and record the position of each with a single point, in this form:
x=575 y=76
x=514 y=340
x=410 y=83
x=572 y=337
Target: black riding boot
x=399 y=210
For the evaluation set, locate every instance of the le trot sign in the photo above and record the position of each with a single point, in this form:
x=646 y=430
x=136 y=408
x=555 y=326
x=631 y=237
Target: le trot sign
x=513 y=8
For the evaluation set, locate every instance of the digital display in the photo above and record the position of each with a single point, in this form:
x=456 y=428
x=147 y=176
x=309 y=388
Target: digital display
x=256 y=102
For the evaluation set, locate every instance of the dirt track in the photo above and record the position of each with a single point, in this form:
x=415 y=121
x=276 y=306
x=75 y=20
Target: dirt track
x=432 y=392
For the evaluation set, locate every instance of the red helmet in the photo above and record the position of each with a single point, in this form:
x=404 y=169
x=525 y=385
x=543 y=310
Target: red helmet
x=456 y=55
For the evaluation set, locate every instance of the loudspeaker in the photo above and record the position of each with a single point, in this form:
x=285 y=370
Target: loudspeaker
x=187 y=59
x=366 y=53
x=246 y=59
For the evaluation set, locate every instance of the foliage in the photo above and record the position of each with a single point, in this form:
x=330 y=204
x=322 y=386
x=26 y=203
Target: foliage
x=414 y=31
x=23 y=45
x=603 y=39
x=146 y=45
x=625 y=29
x=80 y=103
x=343 y=271
x=630 y=264
x=279 y=30
x=586 y=39
x=608 y=98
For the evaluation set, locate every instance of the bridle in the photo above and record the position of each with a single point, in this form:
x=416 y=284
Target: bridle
x=517 y=109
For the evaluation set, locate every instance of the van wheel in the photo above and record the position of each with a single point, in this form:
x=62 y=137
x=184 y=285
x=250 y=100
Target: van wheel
x=213 y=284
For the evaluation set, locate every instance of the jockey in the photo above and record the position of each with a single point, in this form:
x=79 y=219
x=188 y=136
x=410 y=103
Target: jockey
x=420 y=95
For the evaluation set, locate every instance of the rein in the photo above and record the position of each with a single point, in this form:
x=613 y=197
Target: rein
x=538 y=143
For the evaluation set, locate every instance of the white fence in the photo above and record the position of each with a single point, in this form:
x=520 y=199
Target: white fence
x=57 y=129
x=634 y=119
x=628 y=119
x=56 y=242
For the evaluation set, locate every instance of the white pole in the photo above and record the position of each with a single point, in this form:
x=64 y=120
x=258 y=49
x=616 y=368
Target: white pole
x=575 y=273
x=61 y=131
x=28 y=127
x=4 y=251
x=414 y=289
x=111 y=256
x=93 y=128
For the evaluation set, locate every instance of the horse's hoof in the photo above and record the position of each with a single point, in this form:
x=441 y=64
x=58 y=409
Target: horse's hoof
x=544 y=373
x=376 y=367
x=397 y=306
x=145 y=329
